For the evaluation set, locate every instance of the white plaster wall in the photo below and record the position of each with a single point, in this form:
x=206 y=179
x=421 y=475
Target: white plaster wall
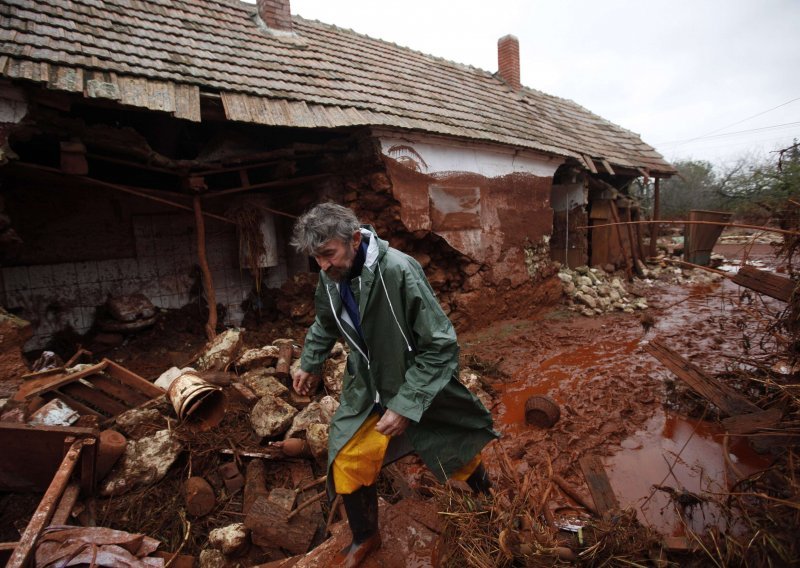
x=437 y=156
x=165 y=254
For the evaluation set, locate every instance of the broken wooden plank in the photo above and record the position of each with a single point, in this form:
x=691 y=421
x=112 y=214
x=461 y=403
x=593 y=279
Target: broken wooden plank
x=767 y=283
x=626 y=264
x=47 y=506
x=748 y=423
x=599 y=485
x=133 y=380
x=65 y=505
x=38 y=386
x=94 y=398
x=575 y=495
x=276 y=454
x=82 y=409
x=728 y=401
x=589 y=163
x=119 y=390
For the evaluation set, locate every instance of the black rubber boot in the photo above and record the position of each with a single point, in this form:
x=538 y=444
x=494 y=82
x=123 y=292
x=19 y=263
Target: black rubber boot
x=479 y=480
x=362 y=515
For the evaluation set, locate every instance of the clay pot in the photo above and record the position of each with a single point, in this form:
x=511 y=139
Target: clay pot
x=200 y=498
x=294 y=447
x=542 y=411
x=111 y=447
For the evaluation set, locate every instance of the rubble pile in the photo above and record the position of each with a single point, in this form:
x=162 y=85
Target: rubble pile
x=668 y=273
x=225 y=444
x=592 y=291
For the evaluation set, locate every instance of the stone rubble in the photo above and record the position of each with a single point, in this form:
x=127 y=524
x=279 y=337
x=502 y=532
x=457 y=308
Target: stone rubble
x=594 y=291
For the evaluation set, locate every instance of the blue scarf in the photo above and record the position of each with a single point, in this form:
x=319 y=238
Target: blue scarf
x=346 y=293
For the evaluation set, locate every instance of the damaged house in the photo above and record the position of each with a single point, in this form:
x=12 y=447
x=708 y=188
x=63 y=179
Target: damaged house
x=161 y=151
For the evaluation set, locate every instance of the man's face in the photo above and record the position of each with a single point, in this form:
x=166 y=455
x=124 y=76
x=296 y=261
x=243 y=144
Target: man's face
x=335 y=257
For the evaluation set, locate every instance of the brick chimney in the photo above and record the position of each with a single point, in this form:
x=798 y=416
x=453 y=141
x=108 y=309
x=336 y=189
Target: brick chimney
x=275 y=14
x=508 y=60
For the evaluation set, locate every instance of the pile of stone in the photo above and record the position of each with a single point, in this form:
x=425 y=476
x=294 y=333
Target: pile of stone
x=672 y=274
x=593 y=291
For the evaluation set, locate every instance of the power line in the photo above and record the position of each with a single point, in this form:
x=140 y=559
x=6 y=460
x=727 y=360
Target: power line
x=707 y=137
x=733 y=124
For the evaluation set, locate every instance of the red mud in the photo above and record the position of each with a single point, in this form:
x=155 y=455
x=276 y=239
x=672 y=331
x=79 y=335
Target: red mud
x=614 y=397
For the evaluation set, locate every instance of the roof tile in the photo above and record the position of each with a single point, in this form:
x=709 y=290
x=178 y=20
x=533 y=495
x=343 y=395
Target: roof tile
x=163 y=52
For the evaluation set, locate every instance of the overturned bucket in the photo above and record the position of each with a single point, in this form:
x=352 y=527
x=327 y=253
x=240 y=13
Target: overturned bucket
x=196 y=401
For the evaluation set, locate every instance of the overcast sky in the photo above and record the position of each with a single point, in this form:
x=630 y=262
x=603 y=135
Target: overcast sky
x=688 y=76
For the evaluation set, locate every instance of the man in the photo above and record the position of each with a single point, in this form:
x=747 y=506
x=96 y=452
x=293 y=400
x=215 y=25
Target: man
x=401 y=391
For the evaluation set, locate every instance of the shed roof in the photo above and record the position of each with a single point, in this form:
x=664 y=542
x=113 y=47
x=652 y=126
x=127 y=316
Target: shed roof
x=161 y=54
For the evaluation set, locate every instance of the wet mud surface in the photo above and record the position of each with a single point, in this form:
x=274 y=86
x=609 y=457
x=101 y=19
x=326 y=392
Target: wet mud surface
x=617 y=401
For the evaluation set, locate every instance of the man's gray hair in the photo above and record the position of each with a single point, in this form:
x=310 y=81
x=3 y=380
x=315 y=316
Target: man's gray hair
x=322 y=223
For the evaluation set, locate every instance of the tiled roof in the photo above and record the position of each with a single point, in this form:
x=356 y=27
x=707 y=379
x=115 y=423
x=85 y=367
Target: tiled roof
x=159 y=54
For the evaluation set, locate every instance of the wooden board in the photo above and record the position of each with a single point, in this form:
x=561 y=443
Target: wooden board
x=767 y=283
x=44 y=384
x=119 y=390
x=599 y=485
x=66 y=504
x=30 y=455
x=94 y=398
x=727 y=400
x=748 y=423
x=106 y=389
x=133 y=380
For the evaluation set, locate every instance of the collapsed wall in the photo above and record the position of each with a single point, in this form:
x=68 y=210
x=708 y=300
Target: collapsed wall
x=476 y=218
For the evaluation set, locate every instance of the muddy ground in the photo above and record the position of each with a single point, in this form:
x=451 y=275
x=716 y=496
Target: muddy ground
x=616 y=401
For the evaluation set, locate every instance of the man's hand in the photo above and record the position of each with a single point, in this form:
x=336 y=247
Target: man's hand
x=392 y=424
x=304 y=383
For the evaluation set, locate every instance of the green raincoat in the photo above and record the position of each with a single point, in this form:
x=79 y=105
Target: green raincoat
x=407 y=361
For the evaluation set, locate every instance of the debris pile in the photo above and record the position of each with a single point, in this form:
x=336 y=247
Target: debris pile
x=592 y=291
x=225 y=442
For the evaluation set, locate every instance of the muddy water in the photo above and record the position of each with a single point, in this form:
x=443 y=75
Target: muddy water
x=601 y=376
x=556 y=375
x=686 y=458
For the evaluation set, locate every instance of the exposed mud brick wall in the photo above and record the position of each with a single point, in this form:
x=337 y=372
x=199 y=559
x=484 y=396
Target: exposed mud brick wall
x=491 y=221
x=490 y=262
x=14 y=332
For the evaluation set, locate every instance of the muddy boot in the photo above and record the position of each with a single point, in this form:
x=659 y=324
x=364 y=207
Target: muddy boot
x=362 y=514
x=479 y=480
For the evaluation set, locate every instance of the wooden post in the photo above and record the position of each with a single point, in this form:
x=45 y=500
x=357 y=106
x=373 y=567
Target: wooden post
x=615 y=216
x=634 y=245
x=656 y=216
x=208 y=282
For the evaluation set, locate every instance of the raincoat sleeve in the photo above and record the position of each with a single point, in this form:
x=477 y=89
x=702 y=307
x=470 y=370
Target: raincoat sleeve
x=435 y=359
x=321 y=336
